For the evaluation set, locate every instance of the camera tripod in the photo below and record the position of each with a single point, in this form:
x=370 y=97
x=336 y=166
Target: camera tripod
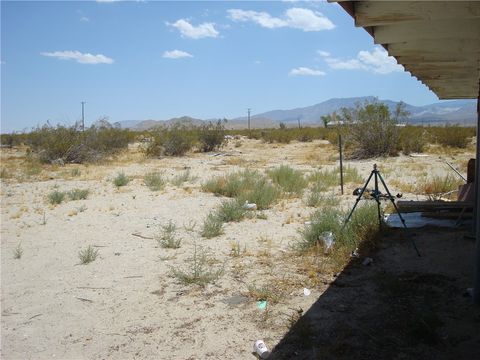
x=377 y=195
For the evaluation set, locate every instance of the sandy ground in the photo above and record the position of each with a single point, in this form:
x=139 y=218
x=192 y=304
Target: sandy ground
x=127 y=303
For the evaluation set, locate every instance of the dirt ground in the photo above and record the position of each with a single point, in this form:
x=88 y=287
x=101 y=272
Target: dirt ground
x=127 y=304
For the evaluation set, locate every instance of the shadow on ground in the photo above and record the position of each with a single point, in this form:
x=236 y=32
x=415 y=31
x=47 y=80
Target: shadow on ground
x=399 y=307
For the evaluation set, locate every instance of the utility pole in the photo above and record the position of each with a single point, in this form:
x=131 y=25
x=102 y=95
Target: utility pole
x=83 y=115
x=298 y=119
x=249 y=119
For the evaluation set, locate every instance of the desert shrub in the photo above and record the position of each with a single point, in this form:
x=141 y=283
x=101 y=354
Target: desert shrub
x=56 y=197
x=435 y=187
x=87 y=255
x=246 y=185
x=212 y=226
x=154 y=181
x=199 y=269
x=171 y=141
x=413 y=139
x=211 y=136
x=18 y=252
x=372 y=131
x=263 y=194
x=317 y=199
x=361 y=230
x=230 y=210
x=289 y=180
x=121 y=180
x=78 y=194
x=183 y=177
x=167 y=238
x=233 y=184
x=453 y=136
x=63 y=144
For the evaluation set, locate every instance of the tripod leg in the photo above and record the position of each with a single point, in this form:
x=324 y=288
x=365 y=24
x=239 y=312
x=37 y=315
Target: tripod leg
x=359 y=197
x=399 y=215
x=377 y=192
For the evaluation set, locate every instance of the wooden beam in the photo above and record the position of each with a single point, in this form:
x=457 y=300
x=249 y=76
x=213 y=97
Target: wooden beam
x=375 y=13
x=428 y=30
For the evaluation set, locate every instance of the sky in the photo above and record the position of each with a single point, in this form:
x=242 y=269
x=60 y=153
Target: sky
x=139 y=60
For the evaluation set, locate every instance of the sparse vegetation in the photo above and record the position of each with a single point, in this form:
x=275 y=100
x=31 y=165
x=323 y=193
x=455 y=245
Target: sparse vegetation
x=70 y=145
x=87 y=255
x=212 y=135
x=246 y=185
x=175 y=140
x=56 y=197
x=361 y=231
x=212 y=226
x=18 y=252
x=182 y=178
x=154 y=181
x=167 y=238
x=78 y=194
x=121 y=180
x=230 y=210
x=199 y=269
x=290 y=180
x=436 y=187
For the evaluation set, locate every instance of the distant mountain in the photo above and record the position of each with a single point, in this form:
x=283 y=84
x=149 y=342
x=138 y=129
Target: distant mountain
x=453 y=111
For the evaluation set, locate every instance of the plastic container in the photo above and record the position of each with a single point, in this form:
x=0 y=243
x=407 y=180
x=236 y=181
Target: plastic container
x=261 y=349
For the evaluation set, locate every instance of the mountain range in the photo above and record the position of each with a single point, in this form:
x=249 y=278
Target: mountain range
x=461 y=112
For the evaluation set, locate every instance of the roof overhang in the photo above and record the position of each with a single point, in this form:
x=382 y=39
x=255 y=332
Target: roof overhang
x=438 y=42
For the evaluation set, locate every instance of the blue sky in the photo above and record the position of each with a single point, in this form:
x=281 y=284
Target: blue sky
x=156 y=60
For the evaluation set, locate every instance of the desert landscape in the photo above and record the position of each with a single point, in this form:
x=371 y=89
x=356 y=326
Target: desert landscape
x=130 y=271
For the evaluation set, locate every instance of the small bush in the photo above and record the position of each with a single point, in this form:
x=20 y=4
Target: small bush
x=413 y=139
x=78 y=194
x=154 y=181
x=70 y=145
x=361 y=230
x=230 y=210
x=316 y=199
x=453 y=136
x=211 y=136
x=88 y=255
x=183 y=177
x=18 y=252
x=167 y=238
x=212 y=226
x=199 y=270
x=56 y=197
x=121 y=180
x=290 y=180
x=171 y=141
x=435 y=187
x=264 y=195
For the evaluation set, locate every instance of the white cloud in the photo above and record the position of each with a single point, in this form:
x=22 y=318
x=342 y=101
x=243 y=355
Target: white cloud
x=323 y=53
x=176 y=54
x=195 y=32
x=84 y=19
x=79 y=57
x=376 y=61
x=305 y=71
x=261 y=18
x=297 y=18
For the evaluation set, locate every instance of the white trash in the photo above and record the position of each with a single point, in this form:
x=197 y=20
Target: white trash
x=249 y=206
x=306 y=292
x=261 y=349
x=328 y=239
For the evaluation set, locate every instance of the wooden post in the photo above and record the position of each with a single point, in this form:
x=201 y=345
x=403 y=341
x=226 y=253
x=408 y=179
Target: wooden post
x=341 y=160
x=476 y=212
